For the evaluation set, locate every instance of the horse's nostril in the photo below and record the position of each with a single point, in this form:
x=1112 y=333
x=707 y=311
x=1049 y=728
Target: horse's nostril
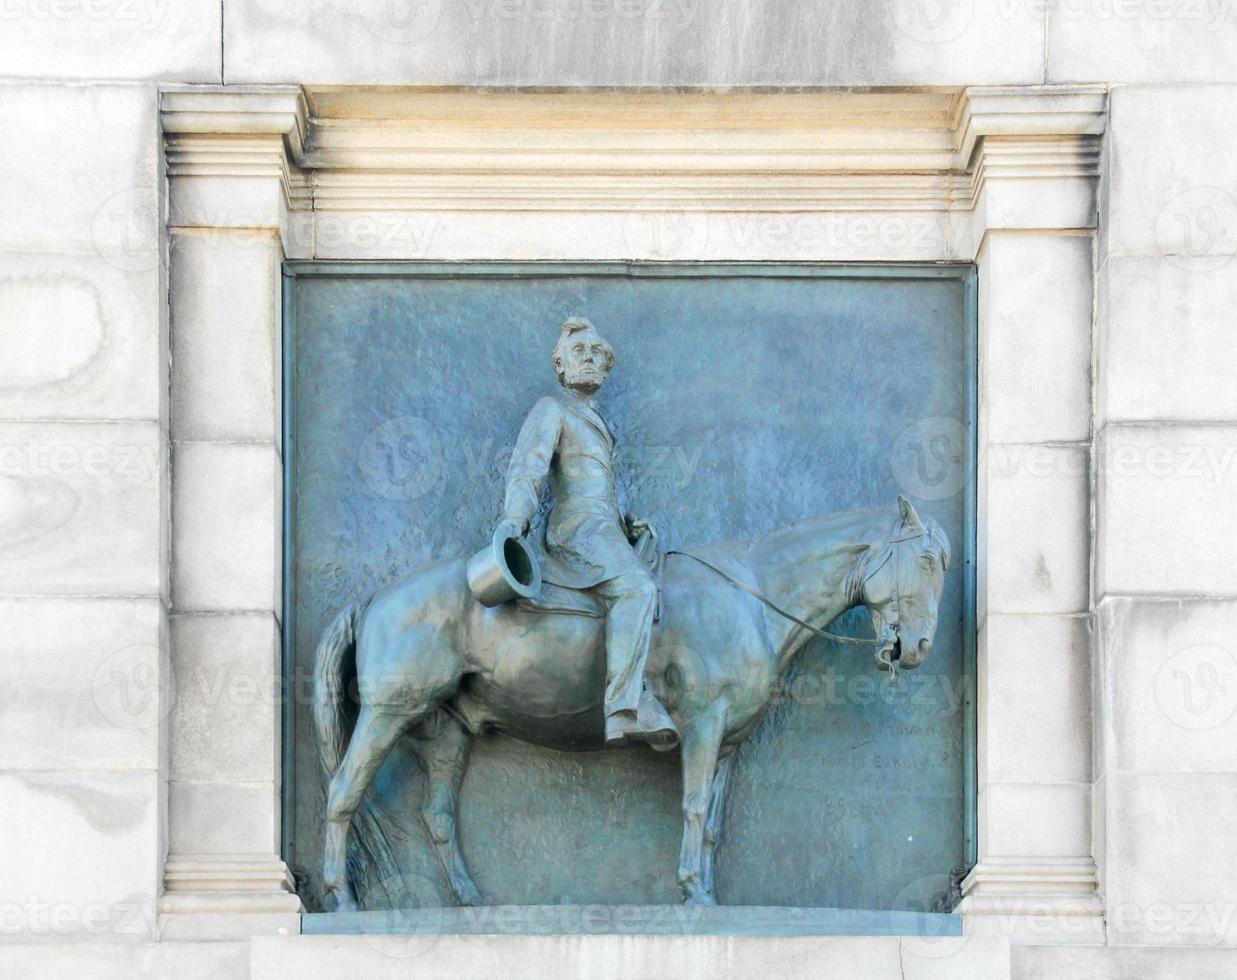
x=925 y=647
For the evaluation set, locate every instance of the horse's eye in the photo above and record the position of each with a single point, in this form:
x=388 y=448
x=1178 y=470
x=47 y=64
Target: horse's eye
x=927 y=562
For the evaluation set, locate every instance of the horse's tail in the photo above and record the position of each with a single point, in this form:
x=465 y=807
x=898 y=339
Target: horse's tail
x=331 y=668
x=373 y=830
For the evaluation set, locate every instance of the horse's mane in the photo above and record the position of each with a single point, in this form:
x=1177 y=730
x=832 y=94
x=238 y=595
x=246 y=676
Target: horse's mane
x=858 y=527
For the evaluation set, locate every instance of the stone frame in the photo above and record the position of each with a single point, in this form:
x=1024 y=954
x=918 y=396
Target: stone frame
x=1005 y=177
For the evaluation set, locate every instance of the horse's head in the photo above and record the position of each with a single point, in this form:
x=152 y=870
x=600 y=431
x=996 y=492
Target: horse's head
x=902 y=589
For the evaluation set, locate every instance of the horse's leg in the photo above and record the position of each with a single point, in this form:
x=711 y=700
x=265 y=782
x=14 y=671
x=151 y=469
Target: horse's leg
x=713 y=825
x=701 y=742
x=373 y=737
x=442 y=744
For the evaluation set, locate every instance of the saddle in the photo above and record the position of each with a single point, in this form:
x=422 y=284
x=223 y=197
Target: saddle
x=559 y=599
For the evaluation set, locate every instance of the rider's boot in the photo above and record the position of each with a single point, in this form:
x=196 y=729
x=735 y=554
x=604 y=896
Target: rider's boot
x=649 y=723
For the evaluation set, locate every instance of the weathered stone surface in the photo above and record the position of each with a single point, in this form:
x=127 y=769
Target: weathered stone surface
x=1035 y=699
x=1035 y=516
x=1121 y=963
x=1168 y=684
x=225 y=725
x=1165 y=520
x=223 y=817
x=1141 y=41
x=81 y=339
x=1036 y=355
x=1173 y=163
x=1167 y=334
x=608 y=957
x=1042 y=820
x=81 y=508
x=226 y=527
x=86 y=683
x=225 y=333
x=153 y=961
x=1169 y=859
x=113 y=39
x=89 y=164
x=81 y=856
x=633 y=43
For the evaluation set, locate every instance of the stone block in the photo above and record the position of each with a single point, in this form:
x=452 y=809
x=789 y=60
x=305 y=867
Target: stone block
x=1167 y=336
x=81 y=508
x=1037 y=513
x=1141 y=41
x=223 y=818
x=113 y=39
x=611 y=957
x=1035 y=820
x=226 y=527
x=225 y=334
x=152 y=961
x=86 y=683
x=1121 y=963
x=226 y=721
x=82 y=339
x=1169 y=682
x=1173 y=170
x=81 y=856
x=633 y=43
x=88 y=157
x=1035 y=699
x=1165 y=519
x=1036 y=356
x=1170 y=859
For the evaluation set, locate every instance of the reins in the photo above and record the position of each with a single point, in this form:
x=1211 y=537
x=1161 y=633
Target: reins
x=893 y=625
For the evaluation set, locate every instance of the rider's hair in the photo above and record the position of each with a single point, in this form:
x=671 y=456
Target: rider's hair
x=574 y=325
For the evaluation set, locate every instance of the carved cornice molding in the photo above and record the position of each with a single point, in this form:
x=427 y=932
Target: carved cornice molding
x=379 y=151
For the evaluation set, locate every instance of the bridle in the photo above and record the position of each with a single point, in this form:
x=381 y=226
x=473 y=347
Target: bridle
x=889 y=639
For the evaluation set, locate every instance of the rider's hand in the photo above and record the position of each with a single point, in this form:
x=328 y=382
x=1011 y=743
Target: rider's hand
x=509 y=527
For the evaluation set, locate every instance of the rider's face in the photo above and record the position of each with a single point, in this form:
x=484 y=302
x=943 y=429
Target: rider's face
x=585 y=362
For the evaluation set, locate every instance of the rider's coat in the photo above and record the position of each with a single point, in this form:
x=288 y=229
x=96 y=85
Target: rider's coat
x=566 y=441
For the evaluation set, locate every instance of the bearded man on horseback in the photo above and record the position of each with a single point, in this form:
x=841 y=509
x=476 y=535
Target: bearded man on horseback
x=588 y=542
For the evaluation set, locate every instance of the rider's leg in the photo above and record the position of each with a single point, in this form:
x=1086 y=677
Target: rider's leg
x=631 y=599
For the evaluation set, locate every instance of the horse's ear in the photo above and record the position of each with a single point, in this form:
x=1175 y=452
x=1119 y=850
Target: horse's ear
x=909 y=517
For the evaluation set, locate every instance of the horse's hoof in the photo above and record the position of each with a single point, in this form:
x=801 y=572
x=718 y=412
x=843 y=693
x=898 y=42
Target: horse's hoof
x=700 y=902
x=467 y=895
x=336 y=902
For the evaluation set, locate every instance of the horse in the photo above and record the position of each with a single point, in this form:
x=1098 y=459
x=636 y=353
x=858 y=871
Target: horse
x=434 y=664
